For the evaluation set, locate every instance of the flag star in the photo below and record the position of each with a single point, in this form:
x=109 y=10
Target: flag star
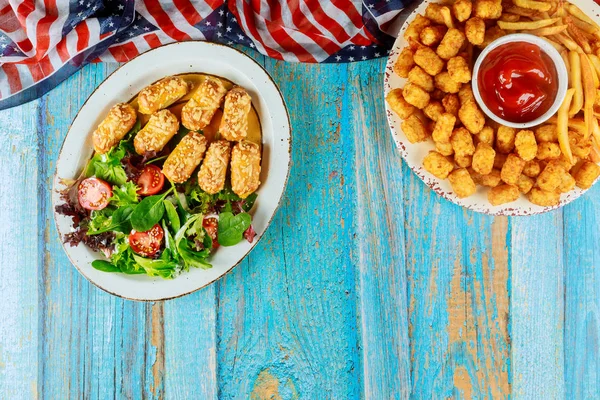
x=338 y=58
x=230 y=43
x=207 y=23
x=377 y=54
x=139 y=17
x=131 y=34
x=121 y=6
x=110 y=24
x=352 y=47
x=241 y=37
x=81 y=2
x=219 y=34
x=252 y=45
x=88 y=5
x=135 y=26
x=94 y=8
x=219 y=24
x=79 y=14
x=371 y=5
x=3 y=45
x=228 y=29
x=364 y=58
x=221 y=12
x=146 y=28
x=363 y=47
x=351 y=59
x=2 y=38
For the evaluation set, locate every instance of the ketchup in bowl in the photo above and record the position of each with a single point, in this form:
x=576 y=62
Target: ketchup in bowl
x=518 y=82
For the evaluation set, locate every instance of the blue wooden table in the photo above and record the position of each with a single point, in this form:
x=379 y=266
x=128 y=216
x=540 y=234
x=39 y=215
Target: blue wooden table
x=366 y=285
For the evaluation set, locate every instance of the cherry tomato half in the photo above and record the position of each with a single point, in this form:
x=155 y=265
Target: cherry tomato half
x=211 y=224
x=94 y=194
x=147 y=243
x=151 y=180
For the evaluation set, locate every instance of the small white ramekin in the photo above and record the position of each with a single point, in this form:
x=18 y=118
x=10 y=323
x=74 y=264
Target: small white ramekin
x=561 y=69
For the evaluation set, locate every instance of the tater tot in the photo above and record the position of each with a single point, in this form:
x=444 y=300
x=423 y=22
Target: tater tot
x=483 y=158
x=512 y=169
x=119 y=120
x=433 y=110
x=200 y=109
x=526 y=145
x=413 y=31
x=414 y=129
x=245 y=168
x=463 y=161
x=429 y=61
x=459 y=69
x=451 y=44
x=543 y=198
x=185 y=157
x=421 y=78
x=465 y=94
x=471 y=117
x=434 y=13
x=443 y=128
x=451 y=104
x=444 y=82
x=462 y=142
x=503 y=194
x=438 y=95
x=492 y=34
x=234 y=124
x=161 y=94
x=432 y=35
x=532 y=169
x=475 y=31
x=486 y=135
x=525 y=183
x=546 y=133
x=404 y=63
x=499 y=160
x=437 y=165
x=161 y=128
x=491 y=180
x=548 y=151
x=580 y=147
x=400 y=106
x=211 y=177
x=551 y=177
x=462 y=9
x=567 y=183
x=566 y=164
x=487 y=9
x=462 y=183
x=505 y=139
x=444 y=148
x=416 y=95
x=586 y=174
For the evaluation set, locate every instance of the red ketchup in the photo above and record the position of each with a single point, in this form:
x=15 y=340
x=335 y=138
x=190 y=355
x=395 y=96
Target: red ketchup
x=518 y=82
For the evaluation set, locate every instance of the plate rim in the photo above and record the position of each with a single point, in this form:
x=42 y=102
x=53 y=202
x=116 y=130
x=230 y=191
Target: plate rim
x=399 y=139
x=56 y=178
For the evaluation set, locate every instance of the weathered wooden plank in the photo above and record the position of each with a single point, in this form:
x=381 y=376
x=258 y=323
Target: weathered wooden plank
x=287 y=318
x=379 y=241
x=93 y=343
x=582 y=297
x=537 y=307
x=458 y=294
x=19 y=274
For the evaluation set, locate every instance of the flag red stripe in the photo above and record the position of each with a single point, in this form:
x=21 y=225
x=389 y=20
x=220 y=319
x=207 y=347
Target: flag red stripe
x=188 y=11
x=350 y=11
x=305 y=26
x=326 y=21
x=83 y=36
x=23 y=11
x=253 y=31
x=288 y=43
x=130 y=50
x=43 y=29
x=36 y=72
x=152 y=40
x=46 y=65
x=164 y=21
x=214 y=3
x=61 y=48
x=14 y=80
x=25 y=45
x=105 y=35
x=117 y=54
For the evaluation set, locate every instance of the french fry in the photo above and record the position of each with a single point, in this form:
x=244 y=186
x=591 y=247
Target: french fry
x=562 y=125
x=595 y=62
x=526 y=25
x=533 y=5
x=559 y=47
x=595 y=131
x=578 y=36
x=575 y=124
x=577 y=13
x=594 y=72
x=585 y=27
x=589 y=91
x=549 y=30
x=567 y=42
x=565 y=56
x=576 y=83
x=521 y=11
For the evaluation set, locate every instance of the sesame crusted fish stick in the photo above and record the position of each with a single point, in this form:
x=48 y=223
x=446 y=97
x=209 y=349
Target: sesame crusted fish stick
x=114 y=127
x=234 y=125
x=211 y=177
x=185 y=157
x=199 y=111
x=161 y=127
x=161 y=94
x=245 y=168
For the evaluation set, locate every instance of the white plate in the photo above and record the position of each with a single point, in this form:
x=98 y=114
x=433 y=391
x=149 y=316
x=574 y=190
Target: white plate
x=126 y=82
x=413 y=154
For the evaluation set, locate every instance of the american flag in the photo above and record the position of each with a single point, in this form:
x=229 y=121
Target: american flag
x=42 y=42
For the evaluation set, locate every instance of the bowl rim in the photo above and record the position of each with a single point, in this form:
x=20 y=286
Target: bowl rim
x=56 y=178
x=559 y=64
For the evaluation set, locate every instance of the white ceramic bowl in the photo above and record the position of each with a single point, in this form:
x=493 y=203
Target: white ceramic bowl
x=413 y=153
x=561 y=69
x=126 y=82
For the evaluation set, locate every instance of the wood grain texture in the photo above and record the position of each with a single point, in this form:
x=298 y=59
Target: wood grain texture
x=537 y=307
x=582 y=297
